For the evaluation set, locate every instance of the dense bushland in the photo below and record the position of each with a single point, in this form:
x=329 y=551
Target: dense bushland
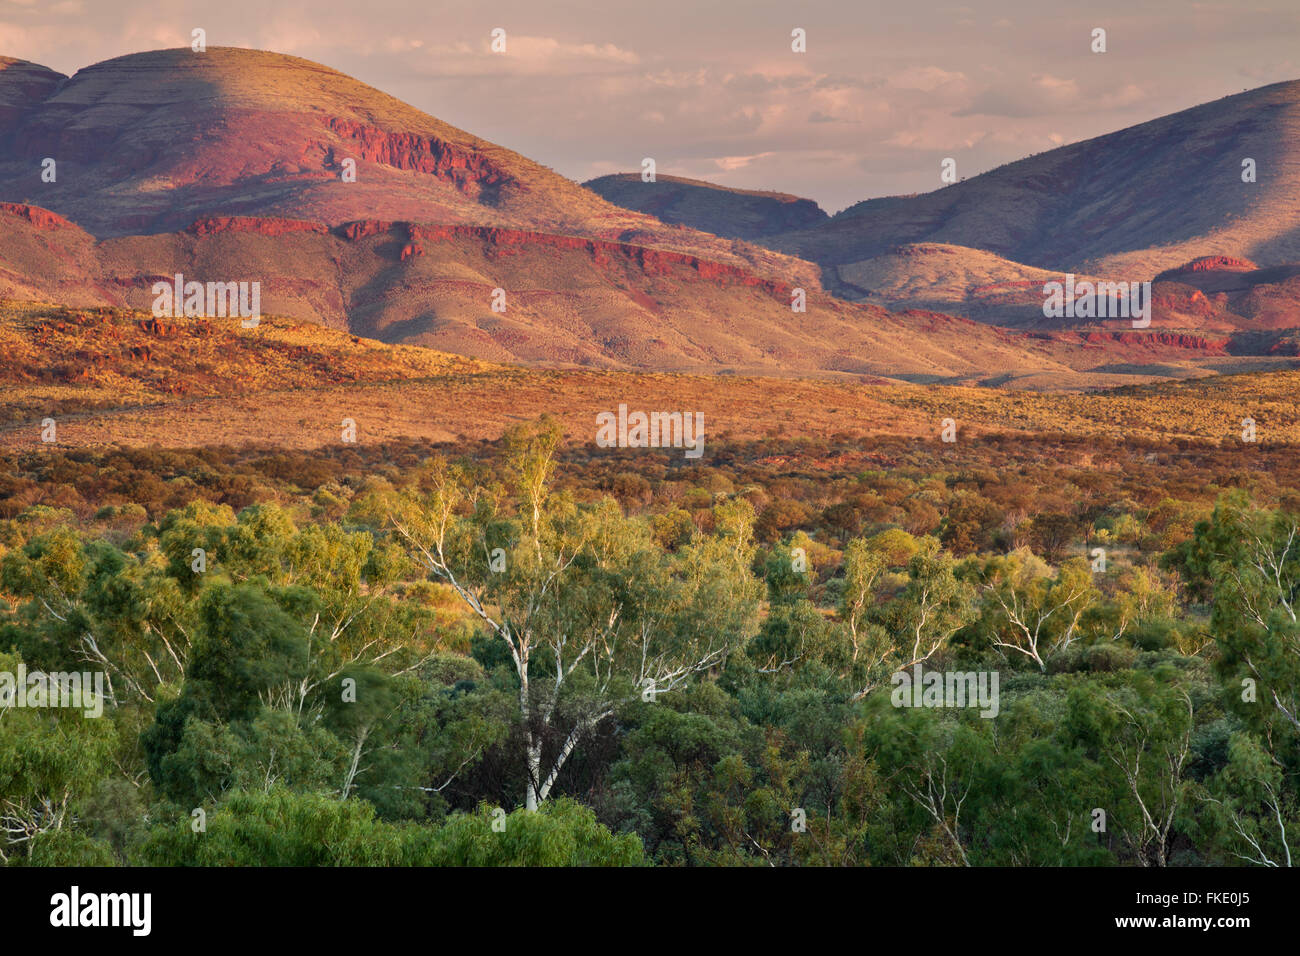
x=387 y=657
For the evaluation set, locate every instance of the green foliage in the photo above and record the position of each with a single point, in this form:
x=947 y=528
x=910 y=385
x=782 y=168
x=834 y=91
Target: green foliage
x=278 y=828
x=702 y=660
x=283 y=828
x=561 y=833
x=49 y=759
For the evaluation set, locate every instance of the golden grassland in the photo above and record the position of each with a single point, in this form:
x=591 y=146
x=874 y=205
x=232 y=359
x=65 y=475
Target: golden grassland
x=116 y=377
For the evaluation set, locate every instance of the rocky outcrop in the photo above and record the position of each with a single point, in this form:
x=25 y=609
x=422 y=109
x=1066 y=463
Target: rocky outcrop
x=653 y=262
x=259 y=225
x=364 y=228
x=1209 y=264
x=38 y=217
x=472 y=172
x=1152 y=341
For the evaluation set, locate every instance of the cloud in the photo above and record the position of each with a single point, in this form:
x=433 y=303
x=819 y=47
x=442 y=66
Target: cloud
x=1042 y=95
x=540 y=52
x=926 y=78
x=290 y=35
x=731 y=163
x=13 y=40
x=868 y=110
x=1047 y=95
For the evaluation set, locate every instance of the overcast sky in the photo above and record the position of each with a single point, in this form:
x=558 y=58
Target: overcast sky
x=711 y=88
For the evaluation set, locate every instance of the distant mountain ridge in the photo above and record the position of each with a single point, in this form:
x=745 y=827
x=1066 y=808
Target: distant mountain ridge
x=1126 y=206
x=1139 y=200
x=723 y=211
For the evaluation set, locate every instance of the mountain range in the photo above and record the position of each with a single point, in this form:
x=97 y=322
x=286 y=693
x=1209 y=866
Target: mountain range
x=236 y=165
x=1198 y=191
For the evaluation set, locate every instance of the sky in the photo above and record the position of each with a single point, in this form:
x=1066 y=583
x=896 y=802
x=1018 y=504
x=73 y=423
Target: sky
x=713 y=90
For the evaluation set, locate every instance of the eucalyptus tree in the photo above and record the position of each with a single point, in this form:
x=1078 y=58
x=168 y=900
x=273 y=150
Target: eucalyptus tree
x=1032 y=612
x=1246 y=562
x=591 y=611
x=910 y=628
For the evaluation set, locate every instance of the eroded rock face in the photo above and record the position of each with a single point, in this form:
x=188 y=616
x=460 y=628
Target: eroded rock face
x=38 y=217
x=1209 y=264
x=258 y=225
x=1157 y=340
x=472 y=172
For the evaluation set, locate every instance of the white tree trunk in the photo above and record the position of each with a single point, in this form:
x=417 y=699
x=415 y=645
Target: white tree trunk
x=534 y=771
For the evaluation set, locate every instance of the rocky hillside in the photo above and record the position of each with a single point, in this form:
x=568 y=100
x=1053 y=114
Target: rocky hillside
x=1133 y=202
x=150 y=142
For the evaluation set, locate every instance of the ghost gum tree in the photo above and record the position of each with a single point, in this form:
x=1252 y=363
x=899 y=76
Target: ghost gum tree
x=1246 y=564
x=910 y=629
x=593 y=613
